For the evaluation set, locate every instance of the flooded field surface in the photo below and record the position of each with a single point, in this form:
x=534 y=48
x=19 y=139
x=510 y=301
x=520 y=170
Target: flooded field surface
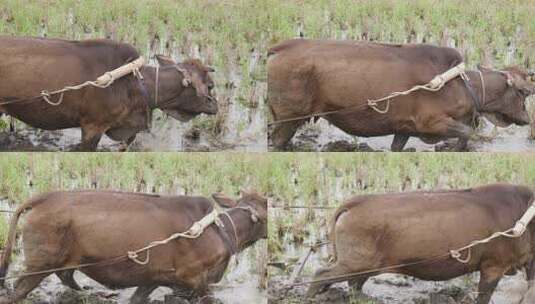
x=322 y=136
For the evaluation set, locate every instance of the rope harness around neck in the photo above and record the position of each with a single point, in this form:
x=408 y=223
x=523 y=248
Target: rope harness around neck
x=186 y=82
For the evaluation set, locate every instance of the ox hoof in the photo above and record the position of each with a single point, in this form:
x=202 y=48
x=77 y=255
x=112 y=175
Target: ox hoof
x=172 y=299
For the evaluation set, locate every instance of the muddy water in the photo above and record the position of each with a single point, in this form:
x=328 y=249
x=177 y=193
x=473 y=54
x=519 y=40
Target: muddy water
x=385 y=289
x=240 y=285
x=322 y=136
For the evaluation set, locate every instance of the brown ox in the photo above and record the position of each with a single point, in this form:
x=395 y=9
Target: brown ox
x=370 y=232
x=73 y=228
x=31 y=65
x=306 y=77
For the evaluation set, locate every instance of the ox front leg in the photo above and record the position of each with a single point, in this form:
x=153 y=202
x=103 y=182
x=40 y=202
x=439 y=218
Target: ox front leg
x=23 y=287
x=11 y=124
x=90 y=138
x=67 y=278
x=490 y=277
x=449 y=128
x=141 y=295
x=125 y=145
x=529 y=296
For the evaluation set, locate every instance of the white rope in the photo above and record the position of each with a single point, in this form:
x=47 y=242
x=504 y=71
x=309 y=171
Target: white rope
x=156 y=84
x=515 y=232
x=483 y=87
x=436 y=84
x=102 y=82
x=192 y=233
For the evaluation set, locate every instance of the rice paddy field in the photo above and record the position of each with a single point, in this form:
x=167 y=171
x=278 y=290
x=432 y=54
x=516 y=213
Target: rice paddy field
x=308 y=187
x=25 y=175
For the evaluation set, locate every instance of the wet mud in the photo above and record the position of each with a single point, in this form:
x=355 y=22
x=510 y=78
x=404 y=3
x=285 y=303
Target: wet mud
x=324 y=137
x=395 y=289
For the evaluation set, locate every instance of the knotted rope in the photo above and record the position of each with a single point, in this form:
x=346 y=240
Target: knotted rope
x=436 y=84
x=192 y=233
x=515 y=232
x=102 y=82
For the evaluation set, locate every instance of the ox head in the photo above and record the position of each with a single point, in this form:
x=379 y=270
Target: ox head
x=196 y=96
x=250 y=202
x=506 y=92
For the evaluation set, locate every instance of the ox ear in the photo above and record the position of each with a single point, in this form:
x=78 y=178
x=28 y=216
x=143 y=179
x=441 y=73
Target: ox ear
x=165 y=60
x=224 y=201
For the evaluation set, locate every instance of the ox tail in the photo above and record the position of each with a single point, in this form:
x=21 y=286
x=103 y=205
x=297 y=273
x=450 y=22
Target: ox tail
x=283 y=46
x=332 y=232
x=12 y=235
x=272 y=51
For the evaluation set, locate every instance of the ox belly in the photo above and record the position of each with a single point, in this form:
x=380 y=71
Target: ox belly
x=372 y=239
x=363 y=123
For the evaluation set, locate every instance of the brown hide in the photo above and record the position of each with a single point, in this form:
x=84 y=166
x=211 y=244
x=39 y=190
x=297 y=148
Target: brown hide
x=314 y=76
x=370 y=232
x=30 y=65
x=72 y=228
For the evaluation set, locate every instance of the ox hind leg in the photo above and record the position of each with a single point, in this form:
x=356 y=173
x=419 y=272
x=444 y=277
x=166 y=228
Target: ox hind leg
x=283 y=133
x=142 y=293
x=447 y=127
x=357 y=284
x=490 y=277
x=44 y=249
x=324 y=275
x=67 y=278
x=23 y=287
x=529 y=296
x=91 y=136
x=399 y=142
